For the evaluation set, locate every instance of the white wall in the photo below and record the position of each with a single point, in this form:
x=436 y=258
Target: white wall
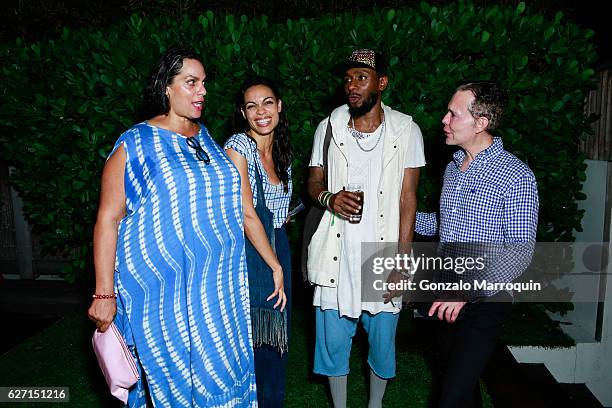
x=590 y=361
x=583 y=318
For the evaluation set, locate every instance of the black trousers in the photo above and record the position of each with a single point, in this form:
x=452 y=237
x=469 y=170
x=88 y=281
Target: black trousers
x=464 y=349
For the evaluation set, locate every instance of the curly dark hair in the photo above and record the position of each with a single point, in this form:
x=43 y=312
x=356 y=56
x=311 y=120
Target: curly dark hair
x=167 y=67
x=490 y=101
x=281 y=146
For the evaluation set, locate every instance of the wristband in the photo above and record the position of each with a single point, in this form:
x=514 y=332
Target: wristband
x=319 y=199
x=327 y=199
x=324 y=197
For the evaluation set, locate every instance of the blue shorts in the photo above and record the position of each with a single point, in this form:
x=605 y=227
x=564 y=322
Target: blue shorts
x=334 y=339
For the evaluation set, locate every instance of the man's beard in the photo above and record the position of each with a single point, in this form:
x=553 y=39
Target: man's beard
x=366 y=106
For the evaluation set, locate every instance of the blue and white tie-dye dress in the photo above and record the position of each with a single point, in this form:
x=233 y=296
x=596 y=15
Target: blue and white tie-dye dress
x=183 y=299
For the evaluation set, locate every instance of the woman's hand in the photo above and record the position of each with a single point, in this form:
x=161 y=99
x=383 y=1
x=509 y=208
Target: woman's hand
x=279 y=289
x=102 y=312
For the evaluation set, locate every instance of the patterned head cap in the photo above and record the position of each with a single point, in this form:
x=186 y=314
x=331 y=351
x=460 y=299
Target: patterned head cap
x=365 y=58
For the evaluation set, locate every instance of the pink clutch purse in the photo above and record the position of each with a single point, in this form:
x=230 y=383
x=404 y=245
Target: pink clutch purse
x=116 y=361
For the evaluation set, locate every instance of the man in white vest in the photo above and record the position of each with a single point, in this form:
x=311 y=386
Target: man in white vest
x=380 y=149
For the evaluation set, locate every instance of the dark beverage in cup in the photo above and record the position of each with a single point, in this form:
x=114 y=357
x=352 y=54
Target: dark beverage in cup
x=356 y=188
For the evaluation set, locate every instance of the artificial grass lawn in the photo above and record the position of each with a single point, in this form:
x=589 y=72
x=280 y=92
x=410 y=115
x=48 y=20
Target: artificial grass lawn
x=59 y=356
x=409 y=389
x=62 y=355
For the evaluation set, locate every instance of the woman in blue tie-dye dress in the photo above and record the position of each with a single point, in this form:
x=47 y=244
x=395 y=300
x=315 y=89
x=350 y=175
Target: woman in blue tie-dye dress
x=169 y=243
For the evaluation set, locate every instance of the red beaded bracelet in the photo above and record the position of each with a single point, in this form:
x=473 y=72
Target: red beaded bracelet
x=112 y=296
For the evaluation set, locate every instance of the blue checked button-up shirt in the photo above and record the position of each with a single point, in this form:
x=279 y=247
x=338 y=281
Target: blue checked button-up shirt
x=494 y=201
x=277 y=200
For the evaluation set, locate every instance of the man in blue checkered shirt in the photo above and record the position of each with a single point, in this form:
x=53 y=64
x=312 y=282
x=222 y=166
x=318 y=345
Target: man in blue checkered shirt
x=488 y=196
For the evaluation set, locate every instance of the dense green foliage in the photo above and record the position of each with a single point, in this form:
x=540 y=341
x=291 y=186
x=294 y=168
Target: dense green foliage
x=64 y=101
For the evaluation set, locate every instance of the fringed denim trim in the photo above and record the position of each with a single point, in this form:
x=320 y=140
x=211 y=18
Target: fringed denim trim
x=269 y=327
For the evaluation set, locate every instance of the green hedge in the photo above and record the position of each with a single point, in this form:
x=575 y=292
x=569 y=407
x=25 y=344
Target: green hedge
x=64 y=101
